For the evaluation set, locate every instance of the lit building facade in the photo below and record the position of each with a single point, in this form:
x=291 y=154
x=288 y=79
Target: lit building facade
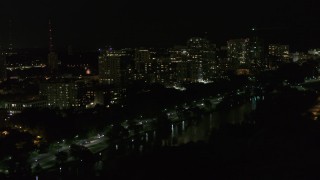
x=203 y=56
x=53 y=60
x=180 y=57
x=144 y=65
x=279 y=51
x=238 y=52
x=14 y=107
x=63 y=94
x=256 y=53
x=165 y=72
x=115 y=69
x=109 y=66
x=300 y=57
x=3 y=67
x=197 y=62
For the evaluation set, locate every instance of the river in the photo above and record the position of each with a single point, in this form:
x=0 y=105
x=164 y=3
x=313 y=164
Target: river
x=183 y=133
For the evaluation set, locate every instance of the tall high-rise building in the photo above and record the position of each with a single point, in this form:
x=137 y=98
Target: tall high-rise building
x=10 y=41
x=52 y=56
x=198 y=43
x=142 y=55
x=143 y=62
x=279 y=51
x=63 y=94
x=196 y=62
x=180 y=57
x=256 y=52
x=109 y=66
x=185 y=71
x=203 y=56
x=237 y=52
x=165 y=71
x=3 y=67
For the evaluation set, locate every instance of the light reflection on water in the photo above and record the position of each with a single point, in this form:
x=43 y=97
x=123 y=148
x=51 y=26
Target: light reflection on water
x=185 y=132
x=202 y=130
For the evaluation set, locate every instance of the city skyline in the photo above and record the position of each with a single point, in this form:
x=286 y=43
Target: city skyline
x=90 y=25
x=125 y=89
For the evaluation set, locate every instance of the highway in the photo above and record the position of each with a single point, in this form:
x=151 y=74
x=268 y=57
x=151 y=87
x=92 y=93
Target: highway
x=48 y=160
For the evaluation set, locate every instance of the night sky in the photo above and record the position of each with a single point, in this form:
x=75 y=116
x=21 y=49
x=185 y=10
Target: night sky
x=90 y=24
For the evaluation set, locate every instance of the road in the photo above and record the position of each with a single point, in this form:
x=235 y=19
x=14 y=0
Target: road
x=48 y=160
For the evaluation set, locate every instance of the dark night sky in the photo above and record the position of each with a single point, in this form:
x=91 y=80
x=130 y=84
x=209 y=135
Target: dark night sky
x=92 y=23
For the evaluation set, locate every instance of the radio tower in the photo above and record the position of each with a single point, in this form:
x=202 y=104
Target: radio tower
x=50 y=37
x=10 y=45
x=52 y=56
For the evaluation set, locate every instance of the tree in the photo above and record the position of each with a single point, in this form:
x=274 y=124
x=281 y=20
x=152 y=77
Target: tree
x=84 y=159
x=38 y=169
x=309 y=68
x=19 y=167
x=116 y=133
x=291 y=72
x=208 y=104
x=62 y=157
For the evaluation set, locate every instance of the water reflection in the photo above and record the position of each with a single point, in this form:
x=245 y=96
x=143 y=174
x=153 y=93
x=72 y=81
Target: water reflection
x=147 y=137
x=192 y=131
x=200 y=131
x=189 y=131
